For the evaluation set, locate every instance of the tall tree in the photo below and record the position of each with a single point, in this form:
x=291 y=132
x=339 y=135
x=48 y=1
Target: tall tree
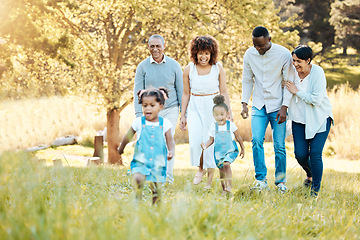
x=103 y=41
x=314 y=15
x=345 y=17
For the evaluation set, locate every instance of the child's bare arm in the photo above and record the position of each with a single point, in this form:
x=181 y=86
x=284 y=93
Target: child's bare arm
x=240 y=141
x=170 y=144
x=126 y=139
x=208 y=143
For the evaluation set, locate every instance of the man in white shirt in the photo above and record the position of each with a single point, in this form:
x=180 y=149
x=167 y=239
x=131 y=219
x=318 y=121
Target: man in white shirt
x=266 y=65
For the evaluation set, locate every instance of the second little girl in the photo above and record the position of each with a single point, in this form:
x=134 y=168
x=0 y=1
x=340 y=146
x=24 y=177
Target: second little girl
x=222 y=133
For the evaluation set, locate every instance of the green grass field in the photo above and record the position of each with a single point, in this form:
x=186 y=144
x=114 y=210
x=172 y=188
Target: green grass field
x=41 y=201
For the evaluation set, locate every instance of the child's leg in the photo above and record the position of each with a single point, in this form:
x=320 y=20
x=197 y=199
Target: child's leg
x=228 y=176
x=156 y=192
x=210 y=172
x=139 y=180
x=222 y=178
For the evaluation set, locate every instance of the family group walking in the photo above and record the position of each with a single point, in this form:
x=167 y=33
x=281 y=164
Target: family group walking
x=283 y=86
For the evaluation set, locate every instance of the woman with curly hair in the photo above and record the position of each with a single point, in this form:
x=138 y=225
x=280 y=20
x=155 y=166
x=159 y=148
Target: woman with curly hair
x=203 y=78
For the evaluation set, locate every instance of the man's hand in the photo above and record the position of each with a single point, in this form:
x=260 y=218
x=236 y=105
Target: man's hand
x=281 y=115
x=245 y=111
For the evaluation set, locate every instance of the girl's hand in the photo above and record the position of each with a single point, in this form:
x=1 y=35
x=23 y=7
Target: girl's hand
x=118 y=150
x=291 y=87
x=242 y=153
x=182 y=123
x=170 y=155
x=203 y=146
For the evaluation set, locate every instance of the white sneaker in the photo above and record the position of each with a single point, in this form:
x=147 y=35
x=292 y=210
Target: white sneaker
x=282 y=187
x=260 y=185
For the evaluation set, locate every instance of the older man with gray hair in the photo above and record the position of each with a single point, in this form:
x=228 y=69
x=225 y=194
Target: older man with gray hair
x=159 y=70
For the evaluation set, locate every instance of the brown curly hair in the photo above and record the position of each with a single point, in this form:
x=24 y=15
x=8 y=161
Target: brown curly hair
x=203 y=43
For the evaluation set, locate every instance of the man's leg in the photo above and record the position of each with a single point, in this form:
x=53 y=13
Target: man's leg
x=172 y=114
x=278 y=134
x=259 y=122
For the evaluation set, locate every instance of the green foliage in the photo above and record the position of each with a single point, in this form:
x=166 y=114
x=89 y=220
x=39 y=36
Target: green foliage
x=314 y=16
x=45 y=202
x=98 y=44
x=345 y=17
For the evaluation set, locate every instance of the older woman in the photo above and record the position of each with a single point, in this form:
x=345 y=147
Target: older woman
x=311 y=114
x=203 y=78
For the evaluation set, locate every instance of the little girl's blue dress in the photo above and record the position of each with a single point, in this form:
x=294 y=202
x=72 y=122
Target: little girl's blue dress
x=225 y=149
x=150 y=155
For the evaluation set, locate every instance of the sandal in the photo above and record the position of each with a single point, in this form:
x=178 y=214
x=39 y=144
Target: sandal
x=198 y=177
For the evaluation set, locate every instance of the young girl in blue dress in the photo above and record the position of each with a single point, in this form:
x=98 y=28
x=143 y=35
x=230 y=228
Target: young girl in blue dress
x=222 y=133
x=155 y=144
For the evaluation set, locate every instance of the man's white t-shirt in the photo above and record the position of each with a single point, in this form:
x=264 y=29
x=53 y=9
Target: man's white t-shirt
x=233 y=128
x=137 y=126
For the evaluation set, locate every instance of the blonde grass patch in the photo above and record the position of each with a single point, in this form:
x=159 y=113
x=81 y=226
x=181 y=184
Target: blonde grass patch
x=30 y=122
x=344 y=135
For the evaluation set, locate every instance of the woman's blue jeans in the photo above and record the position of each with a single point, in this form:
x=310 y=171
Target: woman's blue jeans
x=259 y=122
x=308 y=152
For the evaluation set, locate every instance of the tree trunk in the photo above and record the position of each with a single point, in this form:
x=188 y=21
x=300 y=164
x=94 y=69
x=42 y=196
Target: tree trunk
x=99 y=148
x=344 y=50
x=113 y=136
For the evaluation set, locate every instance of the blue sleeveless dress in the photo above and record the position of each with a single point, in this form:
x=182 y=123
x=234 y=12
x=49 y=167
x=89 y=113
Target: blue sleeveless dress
x=150 y=155
x=225 y=149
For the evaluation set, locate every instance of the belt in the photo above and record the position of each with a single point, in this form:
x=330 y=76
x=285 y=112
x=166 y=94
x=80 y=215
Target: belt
x=203 y=95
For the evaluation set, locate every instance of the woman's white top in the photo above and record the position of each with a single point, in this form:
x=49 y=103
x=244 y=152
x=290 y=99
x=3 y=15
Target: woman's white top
x=200 y=114
x=203 y=84
x=297 y=110
x=317 y=106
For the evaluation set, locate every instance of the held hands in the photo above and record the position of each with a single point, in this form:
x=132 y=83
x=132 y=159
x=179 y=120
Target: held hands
x=182 y=123
x=291 y=87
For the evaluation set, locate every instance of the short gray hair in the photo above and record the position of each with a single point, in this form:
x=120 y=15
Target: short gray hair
x=157 y=36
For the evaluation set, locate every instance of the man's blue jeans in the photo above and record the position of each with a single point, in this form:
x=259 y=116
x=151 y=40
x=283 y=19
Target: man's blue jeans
x=308 y=152
x=259 y=122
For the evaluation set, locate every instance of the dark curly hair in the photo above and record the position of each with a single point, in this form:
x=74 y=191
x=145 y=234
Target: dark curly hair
x=204 y=43
x=219 y=101
x=156 y=92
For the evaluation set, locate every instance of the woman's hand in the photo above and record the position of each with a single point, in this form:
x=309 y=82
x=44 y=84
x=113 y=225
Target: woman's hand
x=170 y=155
x=291 y=87
x=182 y=123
